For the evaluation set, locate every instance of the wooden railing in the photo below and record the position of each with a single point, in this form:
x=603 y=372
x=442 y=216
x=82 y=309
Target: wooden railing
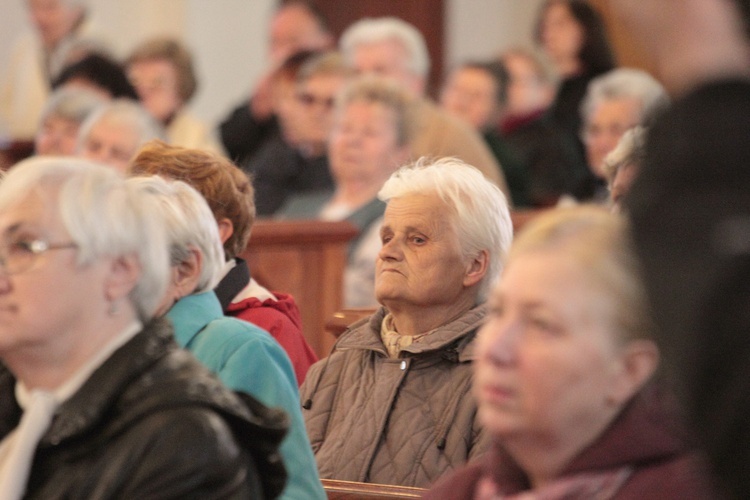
x=350 y=490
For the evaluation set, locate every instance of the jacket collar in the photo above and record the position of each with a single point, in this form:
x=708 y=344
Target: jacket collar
x=192 y=313
x=365 y=335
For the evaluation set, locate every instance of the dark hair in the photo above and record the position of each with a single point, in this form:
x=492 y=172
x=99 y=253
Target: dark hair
x=497 y=72
x=743 y=6
x=596 y=54
x=292 y=65
x=311 y=8
x=101 y=72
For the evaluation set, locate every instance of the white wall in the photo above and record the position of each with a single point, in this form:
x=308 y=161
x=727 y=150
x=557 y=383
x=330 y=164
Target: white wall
x=228 y=37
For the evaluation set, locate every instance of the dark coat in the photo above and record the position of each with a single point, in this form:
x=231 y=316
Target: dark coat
x=151 y=422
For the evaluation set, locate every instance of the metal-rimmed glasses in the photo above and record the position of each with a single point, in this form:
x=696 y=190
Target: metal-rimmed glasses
x=21 y=255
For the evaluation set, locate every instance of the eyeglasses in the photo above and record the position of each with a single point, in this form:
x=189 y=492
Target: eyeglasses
x=19 y=256
x=309 y=99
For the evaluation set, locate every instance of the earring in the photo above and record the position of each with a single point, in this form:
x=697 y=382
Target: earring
x=114 y=308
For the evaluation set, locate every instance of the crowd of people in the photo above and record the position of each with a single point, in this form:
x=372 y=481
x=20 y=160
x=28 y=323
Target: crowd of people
x=600 y=353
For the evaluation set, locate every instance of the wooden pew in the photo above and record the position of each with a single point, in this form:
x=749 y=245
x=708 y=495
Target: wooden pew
x=305 y=259
x=349 y=490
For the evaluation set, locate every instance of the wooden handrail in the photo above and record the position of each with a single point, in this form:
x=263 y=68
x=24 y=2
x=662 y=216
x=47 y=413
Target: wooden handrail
x=350 y=490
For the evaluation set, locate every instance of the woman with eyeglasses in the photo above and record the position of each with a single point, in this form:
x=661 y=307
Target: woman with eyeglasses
x=97 y=399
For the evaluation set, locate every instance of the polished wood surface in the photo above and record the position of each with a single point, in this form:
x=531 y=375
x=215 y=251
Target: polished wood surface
x=349 y=490
x=305 y=259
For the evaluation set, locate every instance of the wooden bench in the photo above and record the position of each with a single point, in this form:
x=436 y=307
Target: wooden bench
x=350 y=490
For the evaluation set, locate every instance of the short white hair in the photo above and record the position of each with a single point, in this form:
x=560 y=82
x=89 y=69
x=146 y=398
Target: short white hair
x=630 y=150
x=128 y=113
x=375 y=30
x=480 y=209
x=625 y=83
x=103 y=216
x=189 y=224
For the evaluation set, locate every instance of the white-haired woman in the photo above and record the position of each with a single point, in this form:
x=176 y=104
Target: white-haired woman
x=62 y=116
x=564 y=375
x=98 y=399
x=392 y=403
x=245 y=357
x=115 y=131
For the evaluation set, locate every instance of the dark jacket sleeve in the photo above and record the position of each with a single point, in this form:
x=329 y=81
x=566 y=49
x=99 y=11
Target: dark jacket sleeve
x=242 y=134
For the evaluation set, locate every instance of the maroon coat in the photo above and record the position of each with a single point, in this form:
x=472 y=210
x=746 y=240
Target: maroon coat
x=645 y=436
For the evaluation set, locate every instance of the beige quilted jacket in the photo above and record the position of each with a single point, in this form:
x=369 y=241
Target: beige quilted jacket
x=394 y=421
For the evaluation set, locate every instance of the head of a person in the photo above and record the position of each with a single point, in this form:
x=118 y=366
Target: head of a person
x=567 y=339
x=55 y=19
x=615 y=102
x=161 y=70
x=297 y=25
x=445 y=234
x=388 y=47
x=80 y=251
x=97 y=73
x=114 y=132
x=284 y=99
x=623 y=164
x=476 y=92
x=61 y=119
x=529 y=86
x=574 y=37
x=225 y=187
x=318 y=82
x=195 y=251
x=371 y=132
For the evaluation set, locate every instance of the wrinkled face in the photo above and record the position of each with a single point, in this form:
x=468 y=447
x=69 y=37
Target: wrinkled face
x=609 y=120
x=47 y=300
x=316 y=98
x=621 y=184
x=293 y=29
x=364 y=144
x=57 y=136
x=561 y=34
x=54 y=19
x=547 y=358
x=421 y=262
x=110 y=143
x=526 y=92
x=388 y=59
x=471 y=94
x=155 y=80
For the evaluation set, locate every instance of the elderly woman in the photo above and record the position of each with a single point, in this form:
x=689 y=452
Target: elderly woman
x=563 y=375
x=623 y=164
x=62 y=116
x=230 y=194
x=391 y=403
x=244 y=357
x=368 y=142
x=161 y=70
x=98 y=401
x=113 y=134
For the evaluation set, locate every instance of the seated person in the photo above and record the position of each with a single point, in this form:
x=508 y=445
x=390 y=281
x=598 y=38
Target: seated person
x=367 y=144
x=392 y=403
x=161 y=70
x=242 y=355
x=115 y=131
x=295 y=161
x=476 y=93
x=623 y=164
x=97 y=73
x=61 y=119
x=98 y=401
x=565 y=375
x=229 y=194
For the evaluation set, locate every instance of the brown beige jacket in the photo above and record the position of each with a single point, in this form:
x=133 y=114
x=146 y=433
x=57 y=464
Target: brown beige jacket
x=394 y=421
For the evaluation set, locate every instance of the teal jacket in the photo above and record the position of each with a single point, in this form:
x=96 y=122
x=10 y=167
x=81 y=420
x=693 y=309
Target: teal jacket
x=246 y=358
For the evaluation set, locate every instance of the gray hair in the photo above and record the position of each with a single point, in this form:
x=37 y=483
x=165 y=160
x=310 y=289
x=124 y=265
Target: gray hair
x=128 y=113
x=380 y=29
x=69 y=103
x=630 y=150
x=625 y=83
x=103 y=216
x=189 y=224
x=390 y=95
x=480 y=209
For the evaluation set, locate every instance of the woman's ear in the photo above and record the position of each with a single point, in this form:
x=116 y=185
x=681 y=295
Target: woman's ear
x=476 y=268
x=226 y=229
x=124 y=273
x=638 y=363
